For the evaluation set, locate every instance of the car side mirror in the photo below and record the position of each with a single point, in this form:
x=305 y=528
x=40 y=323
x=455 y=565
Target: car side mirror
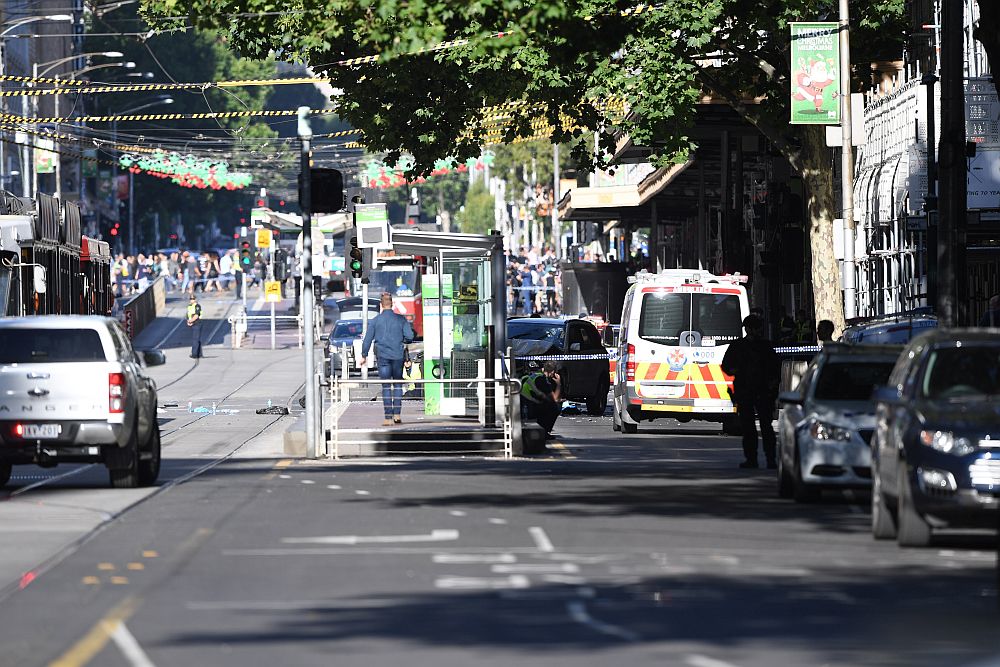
x=889 y=395
x=153 y=357
x=324 y=337
x=575 y=347
x=790 y=397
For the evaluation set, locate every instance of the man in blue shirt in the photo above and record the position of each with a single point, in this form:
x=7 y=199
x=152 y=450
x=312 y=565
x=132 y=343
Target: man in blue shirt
x=390 y=332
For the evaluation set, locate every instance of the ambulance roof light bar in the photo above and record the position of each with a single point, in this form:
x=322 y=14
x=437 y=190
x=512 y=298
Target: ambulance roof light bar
x=685 y=275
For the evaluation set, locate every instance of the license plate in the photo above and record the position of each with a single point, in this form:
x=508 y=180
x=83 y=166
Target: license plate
x=42 y=431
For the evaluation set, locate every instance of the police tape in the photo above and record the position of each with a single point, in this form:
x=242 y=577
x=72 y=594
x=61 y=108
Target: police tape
x=797 y=349
x=607 y=356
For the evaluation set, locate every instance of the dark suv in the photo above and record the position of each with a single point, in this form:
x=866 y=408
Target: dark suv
x=936 y=448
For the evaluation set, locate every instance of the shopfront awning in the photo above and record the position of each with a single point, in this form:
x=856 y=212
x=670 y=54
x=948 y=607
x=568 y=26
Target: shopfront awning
x=612 y=202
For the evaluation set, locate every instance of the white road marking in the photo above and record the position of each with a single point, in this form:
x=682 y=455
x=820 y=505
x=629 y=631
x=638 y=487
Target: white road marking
x=362 y=492
x=541 y=539
x=130 y=647
x=459 y=559
x=578 y=612
x=284 y=476
x=512 y=582
x=457 y=513
x=567 y=579
x=333 y=487
x=498 y=522
x=433 y=536
x=704 y=661
x=537 y=568
x=308 y=481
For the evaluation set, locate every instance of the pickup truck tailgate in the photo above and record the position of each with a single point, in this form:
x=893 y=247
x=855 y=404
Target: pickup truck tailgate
x=58 y=391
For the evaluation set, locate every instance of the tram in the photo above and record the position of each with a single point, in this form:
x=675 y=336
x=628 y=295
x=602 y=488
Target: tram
x=47 y=266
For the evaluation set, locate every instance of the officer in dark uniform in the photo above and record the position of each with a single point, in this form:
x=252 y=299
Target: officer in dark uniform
x=754 y=365
x=541 y=396
x=194 y=321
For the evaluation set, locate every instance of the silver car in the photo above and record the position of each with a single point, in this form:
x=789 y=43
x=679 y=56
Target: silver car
x=825 y=425
x=72 y=390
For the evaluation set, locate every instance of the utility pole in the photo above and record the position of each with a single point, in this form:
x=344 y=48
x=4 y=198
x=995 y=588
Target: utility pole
x=556 y=231
x=305 y=203
x=847 y=164
x=952 y=287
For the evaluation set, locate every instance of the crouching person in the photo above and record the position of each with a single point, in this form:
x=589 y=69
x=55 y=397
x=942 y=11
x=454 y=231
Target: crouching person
x=541 y=398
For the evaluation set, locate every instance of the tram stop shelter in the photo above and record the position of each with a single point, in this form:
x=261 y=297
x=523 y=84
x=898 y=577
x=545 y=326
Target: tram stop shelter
x=459 y=398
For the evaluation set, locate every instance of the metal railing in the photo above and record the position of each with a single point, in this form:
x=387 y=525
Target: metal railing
x=355 y=402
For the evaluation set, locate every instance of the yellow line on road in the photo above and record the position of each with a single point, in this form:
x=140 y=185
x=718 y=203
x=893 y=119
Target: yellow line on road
x=282 y=464
x=562 y=450
x=91 y=644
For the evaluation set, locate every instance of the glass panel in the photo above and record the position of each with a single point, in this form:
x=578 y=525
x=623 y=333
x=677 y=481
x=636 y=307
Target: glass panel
x=36 y=346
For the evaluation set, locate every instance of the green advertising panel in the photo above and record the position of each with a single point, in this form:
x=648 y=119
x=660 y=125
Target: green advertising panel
x=815 y=74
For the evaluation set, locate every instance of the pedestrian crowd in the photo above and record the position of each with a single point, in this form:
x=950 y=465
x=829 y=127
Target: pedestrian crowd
x=534 y=282
x=184 y=271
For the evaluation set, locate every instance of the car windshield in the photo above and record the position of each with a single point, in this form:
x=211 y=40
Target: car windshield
x=522 y=330
x=967 y=372
x=848 y=379
x=665 y=315
x=347 y=330
x=37 y=346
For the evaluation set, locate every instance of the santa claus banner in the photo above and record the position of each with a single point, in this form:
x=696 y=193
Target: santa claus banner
x=815 y=74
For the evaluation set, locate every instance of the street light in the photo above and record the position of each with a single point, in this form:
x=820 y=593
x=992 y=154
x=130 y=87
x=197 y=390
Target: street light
x=11 y=26
x=91 y=68
x=160 y=99
x=49 y=66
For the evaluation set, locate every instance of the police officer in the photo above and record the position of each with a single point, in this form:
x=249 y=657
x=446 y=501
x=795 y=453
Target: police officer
x=541 y=396
x=194 y=321
x=754 y=365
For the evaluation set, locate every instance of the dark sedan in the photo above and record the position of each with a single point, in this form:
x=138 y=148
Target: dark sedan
x=936 y=449
x=586 y=380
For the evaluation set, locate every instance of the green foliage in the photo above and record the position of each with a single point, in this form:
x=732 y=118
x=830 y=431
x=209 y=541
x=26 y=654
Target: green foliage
x=477 y=216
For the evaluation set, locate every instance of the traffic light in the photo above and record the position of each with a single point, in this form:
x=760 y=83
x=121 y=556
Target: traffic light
x=359 y=260
x=246 y=256
x=280 y=265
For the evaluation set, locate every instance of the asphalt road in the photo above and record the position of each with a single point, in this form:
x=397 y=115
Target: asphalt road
x=650 y=549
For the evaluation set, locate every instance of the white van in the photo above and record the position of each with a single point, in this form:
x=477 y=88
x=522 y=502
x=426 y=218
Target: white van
x=676 y=326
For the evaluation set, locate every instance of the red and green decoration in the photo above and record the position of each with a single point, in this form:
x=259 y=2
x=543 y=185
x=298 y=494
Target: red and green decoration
x=380 y=175
x=187 y=171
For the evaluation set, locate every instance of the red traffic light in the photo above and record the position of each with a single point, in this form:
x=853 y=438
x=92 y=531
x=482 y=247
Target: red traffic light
x=236 y=235
x=260 y=202
x=245 y=245
x=281 y=203
x=114 y=232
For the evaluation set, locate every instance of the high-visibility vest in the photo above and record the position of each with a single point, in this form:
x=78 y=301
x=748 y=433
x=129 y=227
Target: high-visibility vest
x=194 y=310
x=528 y=389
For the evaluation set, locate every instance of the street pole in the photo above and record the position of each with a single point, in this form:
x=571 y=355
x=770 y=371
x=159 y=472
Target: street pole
x=951 y=301
x=131 y=213
x=847 y=164
x=931 y=199
x=556 y=231
x=305 y=203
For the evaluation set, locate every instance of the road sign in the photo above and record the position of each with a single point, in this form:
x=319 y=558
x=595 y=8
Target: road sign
x=263 y=238
x=371 y=222
x=272 y=291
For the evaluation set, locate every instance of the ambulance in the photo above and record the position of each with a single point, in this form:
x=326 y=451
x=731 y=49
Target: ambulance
x=676 y=326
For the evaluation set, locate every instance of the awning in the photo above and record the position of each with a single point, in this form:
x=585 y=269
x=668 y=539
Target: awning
x=328 y=223
x=606 y=203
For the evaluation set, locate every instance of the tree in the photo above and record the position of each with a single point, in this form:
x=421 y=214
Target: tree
x=562 y=67
x=477 y=216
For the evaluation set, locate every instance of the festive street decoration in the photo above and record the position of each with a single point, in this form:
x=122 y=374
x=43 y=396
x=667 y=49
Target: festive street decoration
x=380 y=175
x=187 y=171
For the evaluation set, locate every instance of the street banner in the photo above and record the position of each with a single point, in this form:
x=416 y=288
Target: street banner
x=815 y=93
x=45 y=159
x=272 y=291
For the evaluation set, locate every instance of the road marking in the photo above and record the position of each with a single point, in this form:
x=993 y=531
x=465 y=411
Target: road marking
x=284 y=476
x=91 y=644
x=561 y=449
x=135 y=566
x=434 y=536
x=362 y=492
x=130 y=648
x=498 y=522
x=149 y=554
x=333 y=487
x=91 y=581
x=282 y=464
x=107 y=567
x=457 y=513
x=537 y=568
x=308 y=481
x=512 y=582
x=563 y=579
x=541 y=539
x=119 y=580
x=459 y=559
x=578 y=612
x=704 y=661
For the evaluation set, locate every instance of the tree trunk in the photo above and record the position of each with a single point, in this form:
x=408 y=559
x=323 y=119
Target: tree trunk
x=817 y=178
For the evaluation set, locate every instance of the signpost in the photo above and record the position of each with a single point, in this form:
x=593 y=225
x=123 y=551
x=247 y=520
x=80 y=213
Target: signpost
x=263 y=237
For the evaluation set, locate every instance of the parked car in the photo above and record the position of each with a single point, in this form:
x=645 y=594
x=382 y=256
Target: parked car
x=586 y=380
x=75 y=391
x=896 y=329
x=349 y=308
x=936 y=449
x=344 y=334
x=825 y=425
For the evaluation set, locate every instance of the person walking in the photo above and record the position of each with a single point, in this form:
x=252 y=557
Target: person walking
x=541 y=397
x=194 y=322
x=390 y=331
x=824 y=332
x=754 y=365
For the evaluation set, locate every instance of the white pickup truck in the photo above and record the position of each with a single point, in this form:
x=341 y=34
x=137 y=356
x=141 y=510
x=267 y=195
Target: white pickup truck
x=72 y=390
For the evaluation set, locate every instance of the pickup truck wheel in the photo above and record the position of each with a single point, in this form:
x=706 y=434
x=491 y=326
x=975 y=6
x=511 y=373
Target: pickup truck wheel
x=149 y=468
x=123 y=463
x=5 y=470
